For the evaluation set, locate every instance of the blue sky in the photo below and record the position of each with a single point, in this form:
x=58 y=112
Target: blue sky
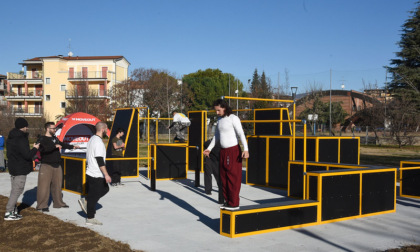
x=306 y=38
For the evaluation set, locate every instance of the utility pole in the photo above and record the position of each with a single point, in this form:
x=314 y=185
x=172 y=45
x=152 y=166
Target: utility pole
x=386 y=89
x=330 y=102
x=167 y=99
x=237 y=95
x=229 y=88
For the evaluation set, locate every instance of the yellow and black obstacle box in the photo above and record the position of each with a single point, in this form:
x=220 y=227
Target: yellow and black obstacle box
x=333 y=195
x=410 y=179
x=297 y=174
x=169 y=161
x=268 y=164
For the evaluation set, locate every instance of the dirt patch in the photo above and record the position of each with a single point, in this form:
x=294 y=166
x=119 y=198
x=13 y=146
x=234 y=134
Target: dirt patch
x=42 y=232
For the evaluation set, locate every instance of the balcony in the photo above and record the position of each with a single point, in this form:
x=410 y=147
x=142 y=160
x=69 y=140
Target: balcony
x=31 y=95
x=30 y=75
x=3 y=103
x=33 y=111
x=87 y=94
x=90 y=75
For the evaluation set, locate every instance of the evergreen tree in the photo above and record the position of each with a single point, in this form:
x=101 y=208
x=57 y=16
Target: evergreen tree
x=255 y=84
x=265 y=87
x=260 y=88
x=406 y=71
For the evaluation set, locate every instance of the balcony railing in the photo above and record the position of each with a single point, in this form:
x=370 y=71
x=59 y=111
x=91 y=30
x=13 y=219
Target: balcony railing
x=30 y=94
x=3 y=103
x=29 y=75
x=86 y=93
x=33 y=111
x=89 y=75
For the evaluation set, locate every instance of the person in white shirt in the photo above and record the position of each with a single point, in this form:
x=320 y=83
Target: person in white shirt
x=180 y=122
x=228 y=129
x=97 y=177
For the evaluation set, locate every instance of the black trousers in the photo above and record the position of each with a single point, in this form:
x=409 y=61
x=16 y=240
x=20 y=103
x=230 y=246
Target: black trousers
x=96 y=188
x=212 y=167
x=116 y=170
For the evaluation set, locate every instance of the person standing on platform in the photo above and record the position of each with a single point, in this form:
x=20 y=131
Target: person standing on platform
x=211 y=166
x=180 y=122
x=50 y=176
x=97 y=177
x=19 y=158
x=117 y=152
x=2 y=165
x=228 y=130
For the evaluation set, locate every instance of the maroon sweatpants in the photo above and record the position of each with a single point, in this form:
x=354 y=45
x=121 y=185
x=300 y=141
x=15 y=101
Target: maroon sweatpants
x=231 y=174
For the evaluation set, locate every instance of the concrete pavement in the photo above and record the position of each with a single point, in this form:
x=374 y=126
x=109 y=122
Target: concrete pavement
x=181 y=217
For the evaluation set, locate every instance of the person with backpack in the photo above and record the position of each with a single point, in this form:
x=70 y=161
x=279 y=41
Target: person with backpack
x=50 y=176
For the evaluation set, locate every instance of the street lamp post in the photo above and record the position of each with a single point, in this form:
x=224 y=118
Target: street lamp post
x=294 y=91
x=180 y=83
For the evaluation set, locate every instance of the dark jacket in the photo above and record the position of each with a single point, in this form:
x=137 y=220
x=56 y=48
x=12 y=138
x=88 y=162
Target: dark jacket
x=49 y=153
x=19 y=155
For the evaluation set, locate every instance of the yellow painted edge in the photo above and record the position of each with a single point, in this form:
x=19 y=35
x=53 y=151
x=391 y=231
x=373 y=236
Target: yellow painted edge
x=356 y=172
x=319 y=216
x=267 y=160
x=410 y=168
x=339 y=152
x=268 y=209
x=360 y=193
x=129 y=176
x=73 y=158
x=84 y=178
x=357 y=216
x=409 y=196
x=68 y=190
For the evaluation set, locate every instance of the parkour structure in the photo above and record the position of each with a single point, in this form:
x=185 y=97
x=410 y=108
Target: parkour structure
x=322 y=175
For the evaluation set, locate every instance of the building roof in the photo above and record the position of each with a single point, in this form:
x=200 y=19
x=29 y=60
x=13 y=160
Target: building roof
x=76 y=57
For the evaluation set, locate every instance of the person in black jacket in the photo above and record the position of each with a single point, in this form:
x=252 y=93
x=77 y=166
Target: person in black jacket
x=50 y=176
x=20 y=164
x=211 y=166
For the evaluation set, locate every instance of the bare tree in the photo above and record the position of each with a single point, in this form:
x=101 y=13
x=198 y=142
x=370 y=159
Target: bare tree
x=90 y=101
x=403 y=119
x=159 y=90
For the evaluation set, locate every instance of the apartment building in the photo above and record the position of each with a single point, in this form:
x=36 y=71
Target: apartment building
x=46 y=85
x=2 y=90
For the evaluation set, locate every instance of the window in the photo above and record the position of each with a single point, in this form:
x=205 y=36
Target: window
x=47 y=80
x=47 y=97
x=63 y=87
x=63 y=104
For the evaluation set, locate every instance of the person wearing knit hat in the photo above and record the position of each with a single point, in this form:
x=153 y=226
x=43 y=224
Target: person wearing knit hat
x=19 y=158
x=21 y=123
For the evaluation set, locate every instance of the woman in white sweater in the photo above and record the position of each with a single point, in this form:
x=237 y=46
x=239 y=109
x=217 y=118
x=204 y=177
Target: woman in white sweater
x=228 y=130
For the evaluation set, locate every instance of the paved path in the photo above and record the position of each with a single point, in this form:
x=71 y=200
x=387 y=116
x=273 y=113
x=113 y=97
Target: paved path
x=180 y=217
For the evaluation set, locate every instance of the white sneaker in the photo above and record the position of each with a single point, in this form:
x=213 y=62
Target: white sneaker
x=93 y=221
x=12 y=216
x=231 y=208
x=83 y=205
